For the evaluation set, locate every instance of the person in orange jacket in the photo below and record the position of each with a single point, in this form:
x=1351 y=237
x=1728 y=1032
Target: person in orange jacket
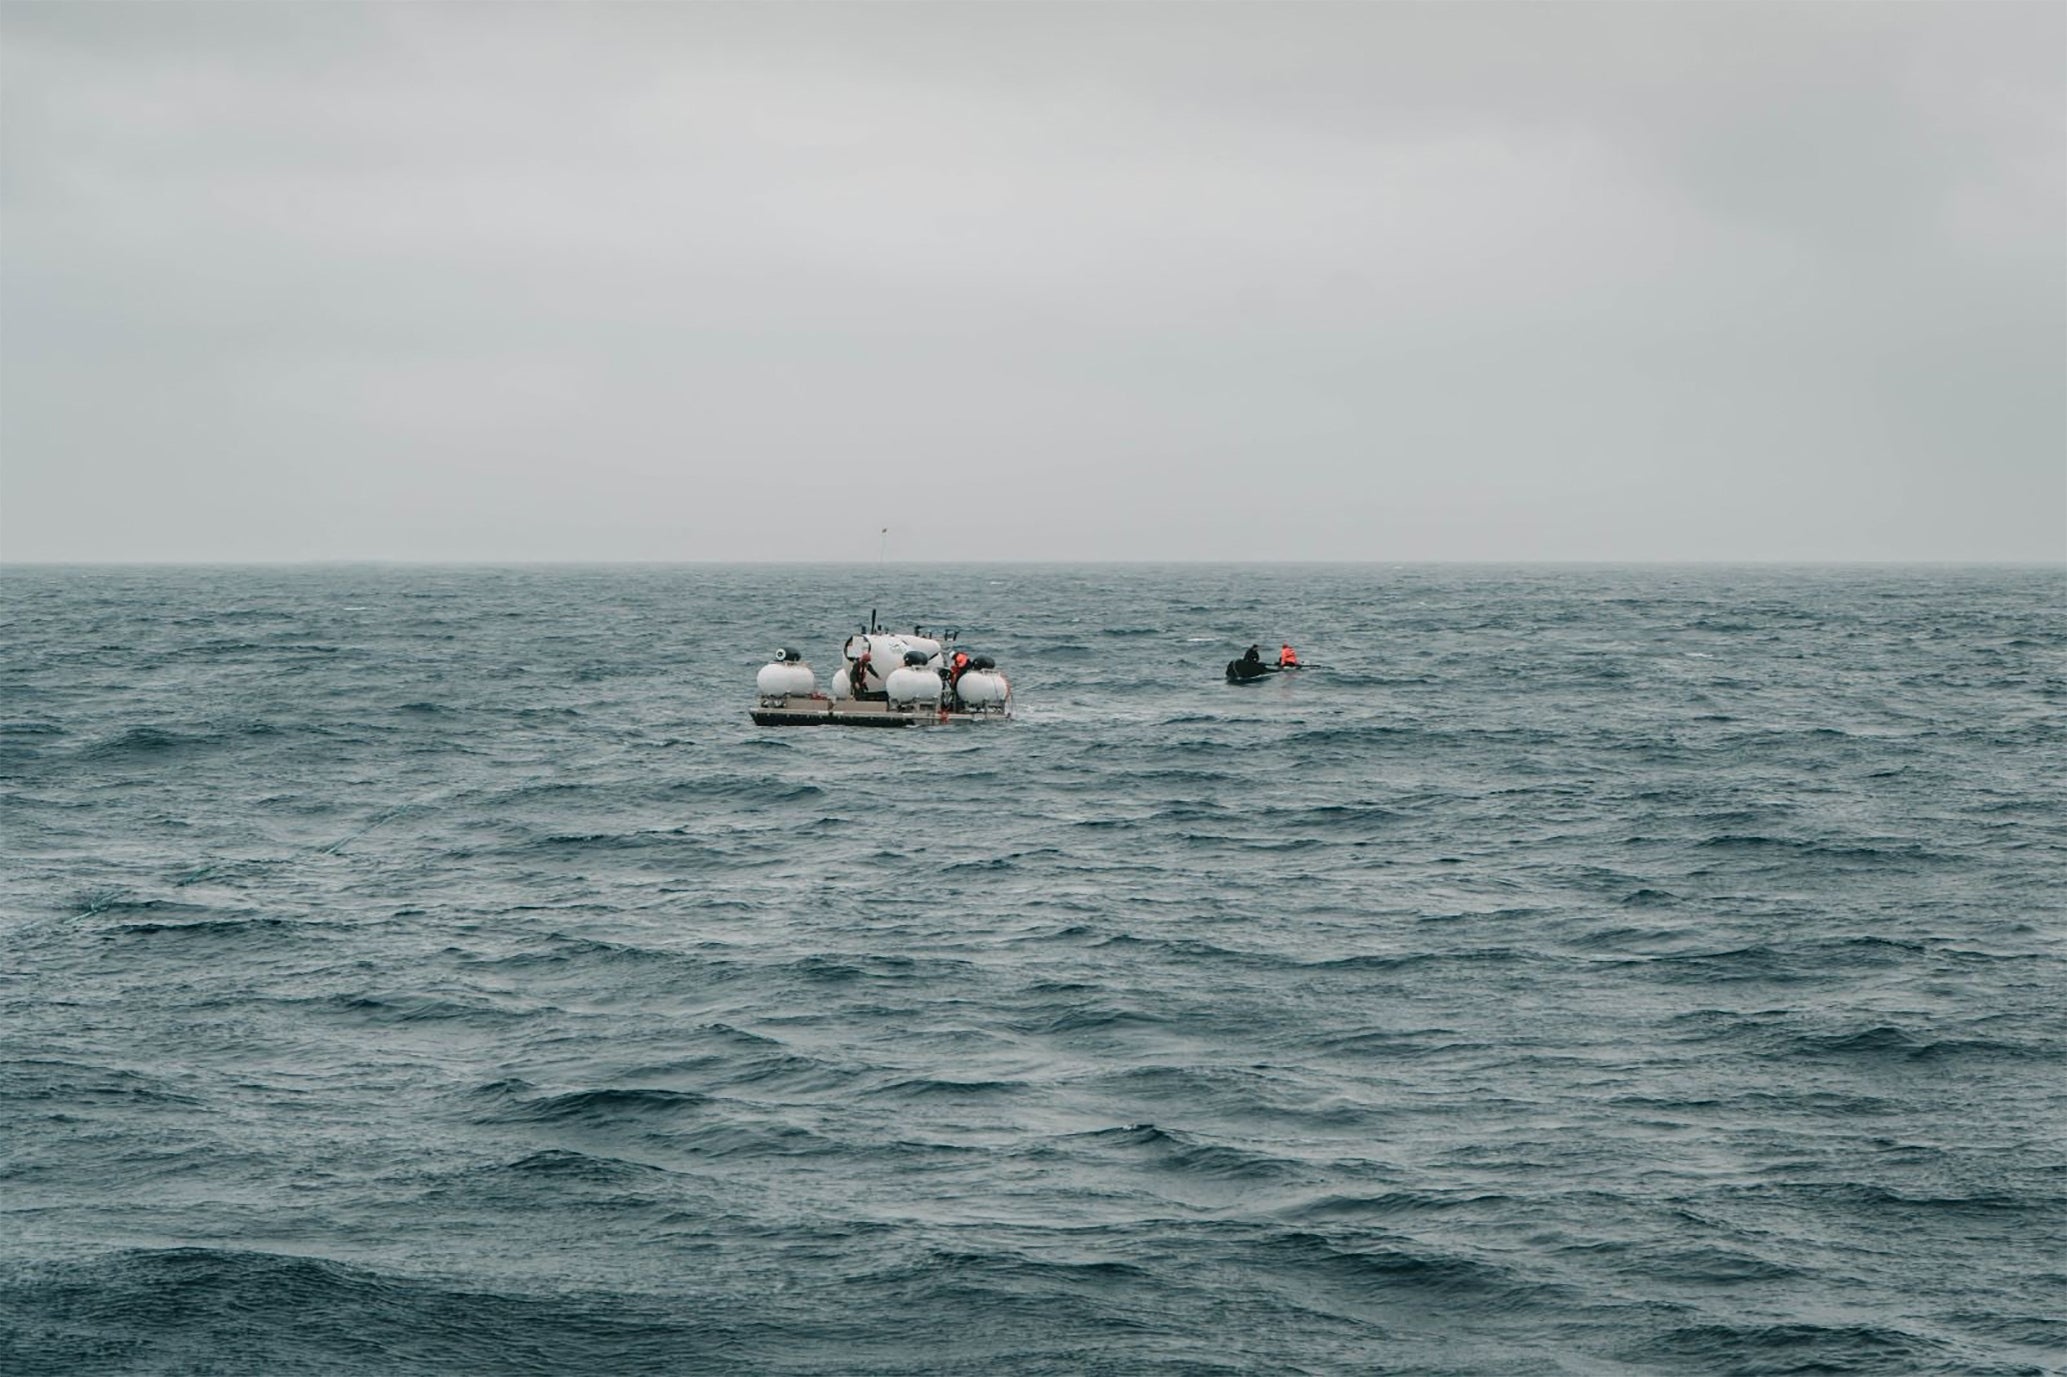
x=1287 y=656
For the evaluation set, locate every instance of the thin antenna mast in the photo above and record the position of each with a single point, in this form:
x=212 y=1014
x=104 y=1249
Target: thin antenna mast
x=882 y=553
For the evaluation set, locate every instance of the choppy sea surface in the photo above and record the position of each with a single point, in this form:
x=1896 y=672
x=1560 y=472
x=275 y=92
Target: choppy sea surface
x=432 y=970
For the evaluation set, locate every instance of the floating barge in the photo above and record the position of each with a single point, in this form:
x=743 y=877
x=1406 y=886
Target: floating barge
x=821 y=711
x=885 y=679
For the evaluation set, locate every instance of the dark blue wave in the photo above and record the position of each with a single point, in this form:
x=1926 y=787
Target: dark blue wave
x=434 y=970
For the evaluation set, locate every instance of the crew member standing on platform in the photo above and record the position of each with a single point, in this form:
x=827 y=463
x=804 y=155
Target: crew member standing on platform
x=1287 y=656
x=857 y=677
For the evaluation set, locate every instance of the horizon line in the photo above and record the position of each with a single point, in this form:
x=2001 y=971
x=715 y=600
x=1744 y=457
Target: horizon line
x=491 y=563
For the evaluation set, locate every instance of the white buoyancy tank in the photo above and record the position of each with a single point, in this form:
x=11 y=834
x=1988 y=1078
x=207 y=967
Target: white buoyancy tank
x=910 y=684
x=926 y=646
x=887 y=651
x=786 y=678
x=983 y=688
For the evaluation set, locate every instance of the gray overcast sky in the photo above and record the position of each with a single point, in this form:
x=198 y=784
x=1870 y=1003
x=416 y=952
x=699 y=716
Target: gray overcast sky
x=1269 y=281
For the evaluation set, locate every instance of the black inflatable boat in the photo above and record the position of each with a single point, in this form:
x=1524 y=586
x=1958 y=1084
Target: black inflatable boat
x=1248 y=671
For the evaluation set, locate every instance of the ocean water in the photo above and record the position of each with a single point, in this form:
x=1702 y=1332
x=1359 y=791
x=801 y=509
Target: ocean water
x=431 y=970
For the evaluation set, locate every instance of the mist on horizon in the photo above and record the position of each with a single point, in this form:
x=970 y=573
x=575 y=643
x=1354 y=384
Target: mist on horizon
x=722 y=282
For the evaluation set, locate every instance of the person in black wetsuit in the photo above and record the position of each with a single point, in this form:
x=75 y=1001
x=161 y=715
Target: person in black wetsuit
x=857 y=677
x=1250 y=666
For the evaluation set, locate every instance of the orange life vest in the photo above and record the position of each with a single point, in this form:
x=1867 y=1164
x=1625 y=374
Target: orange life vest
x=1287 y=656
